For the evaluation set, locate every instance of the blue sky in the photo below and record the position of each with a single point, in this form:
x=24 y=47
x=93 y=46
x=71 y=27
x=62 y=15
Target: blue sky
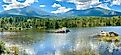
x=60 y=6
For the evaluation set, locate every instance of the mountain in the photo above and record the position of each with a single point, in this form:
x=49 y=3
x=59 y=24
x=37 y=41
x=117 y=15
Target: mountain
x=36 y=12
x=27 y=11
x=60 y=8
x=93 y=12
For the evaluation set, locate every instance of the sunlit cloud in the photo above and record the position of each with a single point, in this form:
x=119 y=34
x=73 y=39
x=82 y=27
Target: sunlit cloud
x=104 y=6
x=60 y=9
x=42 y=5
x=7 y=1
x=116 y=2
x=56 y=5
x=86 y=4
x=15 y=4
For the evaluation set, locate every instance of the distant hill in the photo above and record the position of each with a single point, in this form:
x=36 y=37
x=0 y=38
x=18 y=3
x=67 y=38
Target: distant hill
x=93 y=12
x=27 y=11
x=36 y=12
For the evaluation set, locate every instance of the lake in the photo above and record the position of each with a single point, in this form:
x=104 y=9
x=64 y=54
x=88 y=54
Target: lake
x=78 y=40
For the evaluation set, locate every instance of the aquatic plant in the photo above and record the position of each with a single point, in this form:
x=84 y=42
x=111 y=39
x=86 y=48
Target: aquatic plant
x=2 y=47
x=11 y=49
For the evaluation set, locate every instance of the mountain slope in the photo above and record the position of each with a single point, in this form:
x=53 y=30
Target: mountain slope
x=37 y=12
x=27 y=11
x=93 y=12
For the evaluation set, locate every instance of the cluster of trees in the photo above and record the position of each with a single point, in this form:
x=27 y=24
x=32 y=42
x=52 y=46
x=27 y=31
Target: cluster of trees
x=54 y=23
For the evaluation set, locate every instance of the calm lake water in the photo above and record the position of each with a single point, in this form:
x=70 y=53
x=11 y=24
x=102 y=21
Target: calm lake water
x=42 y=43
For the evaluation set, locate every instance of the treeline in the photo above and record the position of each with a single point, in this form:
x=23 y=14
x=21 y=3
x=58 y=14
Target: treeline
x=55 y=23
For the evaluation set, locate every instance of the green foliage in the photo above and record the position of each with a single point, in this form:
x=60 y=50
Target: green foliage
x=9 y=50
x=15 y=49
x=55 y=23
x=2 y=47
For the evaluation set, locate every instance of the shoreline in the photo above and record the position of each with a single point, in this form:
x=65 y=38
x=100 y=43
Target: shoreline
x=38 y=24
x=11 y=48
x=44 y=30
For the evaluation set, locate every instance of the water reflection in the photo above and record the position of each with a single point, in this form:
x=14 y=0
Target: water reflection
x=78 y=40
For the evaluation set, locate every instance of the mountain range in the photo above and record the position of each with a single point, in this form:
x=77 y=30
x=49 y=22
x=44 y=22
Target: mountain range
x=35 y=12
x=27 y=11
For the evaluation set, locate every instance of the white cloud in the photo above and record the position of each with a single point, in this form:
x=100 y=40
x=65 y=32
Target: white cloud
x=60 y=9
x=85 y=5
x=56 y=5
x=82 y=7
x=0 y=11
x=81 y=4
x=42 y=5
x=93 y=2
x=36 y=1
x=73 y=1
x=116 y=2
x=104 y=6
x=7 y=1
x=58 y=0
x=16 y=4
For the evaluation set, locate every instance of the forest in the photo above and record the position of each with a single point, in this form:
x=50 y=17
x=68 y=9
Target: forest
x=26 y=23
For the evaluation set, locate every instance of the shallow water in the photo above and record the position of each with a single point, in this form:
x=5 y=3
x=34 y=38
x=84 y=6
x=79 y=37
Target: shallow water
x=78 y=40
